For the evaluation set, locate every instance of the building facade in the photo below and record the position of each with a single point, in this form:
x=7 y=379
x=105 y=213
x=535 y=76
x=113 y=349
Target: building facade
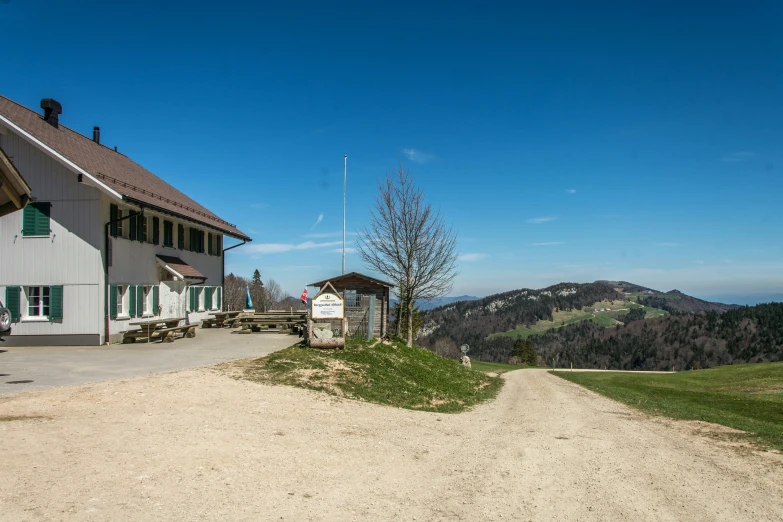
x=104 y=242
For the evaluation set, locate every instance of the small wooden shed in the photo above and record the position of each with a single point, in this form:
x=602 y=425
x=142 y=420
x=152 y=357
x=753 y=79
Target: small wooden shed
x=356 y=288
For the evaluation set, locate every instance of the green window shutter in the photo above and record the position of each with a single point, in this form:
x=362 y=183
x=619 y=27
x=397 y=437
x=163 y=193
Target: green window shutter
x=139 y=301
x=28 y=220
x=193 y=306
x=42 y=226
x=113 y=214
x=155 y=231
x=12 y=301
x=155 y=299
x=168 y=232
x=131 y=301
x=209 y=243
x=35 y=219
x=181 y=237
x=141 y=235
x=113 y=301
x=201 y=241
x=217 y=301
x=208 y=299
x=56 y=303
x=132 y=228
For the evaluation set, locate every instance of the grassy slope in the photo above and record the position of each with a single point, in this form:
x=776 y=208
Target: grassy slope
x=394 y=374
x=745 y=397
x=564 y=318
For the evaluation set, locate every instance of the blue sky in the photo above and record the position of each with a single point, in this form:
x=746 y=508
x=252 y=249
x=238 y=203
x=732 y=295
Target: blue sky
x=563 y=143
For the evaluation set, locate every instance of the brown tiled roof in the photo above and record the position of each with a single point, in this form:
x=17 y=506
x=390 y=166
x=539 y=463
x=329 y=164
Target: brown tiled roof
x=181 y=267
x=115 y=170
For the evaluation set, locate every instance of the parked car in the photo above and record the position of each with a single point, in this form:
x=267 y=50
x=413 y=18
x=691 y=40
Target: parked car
x=5 y=320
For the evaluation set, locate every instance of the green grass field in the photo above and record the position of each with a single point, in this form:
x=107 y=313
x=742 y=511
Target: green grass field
x=394 y=374
x=745 y=397
x=563 y=318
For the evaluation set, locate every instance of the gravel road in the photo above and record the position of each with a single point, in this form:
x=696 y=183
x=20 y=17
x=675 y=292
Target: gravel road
x=196 y=445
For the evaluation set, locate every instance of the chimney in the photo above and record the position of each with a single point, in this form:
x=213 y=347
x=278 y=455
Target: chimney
x=96 y=135
x=52 y=109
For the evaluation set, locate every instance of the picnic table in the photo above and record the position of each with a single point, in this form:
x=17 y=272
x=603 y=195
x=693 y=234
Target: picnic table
x=282 y=322
x=162 y=328
x=219 y=319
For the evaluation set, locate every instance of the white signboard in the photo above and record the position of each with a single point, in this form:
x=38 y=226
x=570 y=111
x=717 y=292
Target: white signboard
x=328 y=306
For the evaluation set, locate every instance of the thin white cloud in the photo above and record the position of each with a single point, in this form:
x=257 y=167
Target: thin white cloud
x=571 y=191
x=348 y=250
x=737 y=157
x=470 y=258
x=322 y=235
x=317 y=221
x=539 y=220
x=666 y=244
x=278 y=248
x=548 y=243
x=417 y=155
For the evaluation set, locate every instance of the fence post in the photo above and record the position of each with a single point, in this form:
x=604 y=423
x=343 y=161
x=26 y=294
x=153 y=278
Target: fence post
x=371 y=318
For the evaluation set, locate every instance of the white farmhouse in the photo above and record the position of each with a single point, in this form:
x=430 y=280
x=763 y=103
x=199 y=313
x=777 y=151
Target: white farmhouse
x=103 y=241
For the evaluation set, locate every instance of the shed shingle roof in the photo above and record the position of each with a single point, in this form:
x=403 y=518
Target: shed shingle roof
x=351 y=275
x=116 y=170
x=181 y=267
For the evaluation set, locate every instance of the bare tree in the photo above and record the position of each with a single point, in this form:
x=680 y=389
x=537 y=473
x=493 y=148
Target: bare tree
x=273 y=294
x=234 y=292
x=409 y=243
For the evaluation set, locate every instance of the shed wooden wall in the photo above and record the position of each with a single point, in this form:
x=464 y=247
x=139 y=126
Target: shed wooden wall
x=381 y=293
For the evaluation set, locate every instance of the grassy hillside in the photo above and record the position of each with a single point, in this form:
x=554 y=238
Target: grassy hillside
x=607 y=317
x=391 y=374
x=744 y=397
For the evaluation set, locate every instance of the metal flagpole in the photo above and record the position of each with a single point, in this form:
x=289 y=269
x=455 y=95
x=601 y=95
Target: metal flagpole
x=345 y=183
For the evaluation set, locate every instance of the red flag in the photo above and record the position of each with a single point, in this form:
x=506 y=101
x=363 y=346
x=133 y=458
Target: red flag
x=303 y=297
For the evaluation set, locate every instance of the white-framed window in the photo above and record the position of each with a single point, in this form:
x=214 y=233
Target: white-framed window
x=121 y=300
x=37 y=301
x=201 y=299
x=145 y=302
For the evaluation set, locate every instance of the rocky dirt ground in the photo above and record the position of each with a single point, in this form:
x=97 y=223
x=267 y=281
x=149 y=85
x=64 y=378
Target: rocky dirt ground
x=197 y=445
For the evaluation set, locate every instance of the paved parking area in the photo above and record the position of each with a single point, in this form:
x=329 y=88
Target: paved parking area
x=50 y=366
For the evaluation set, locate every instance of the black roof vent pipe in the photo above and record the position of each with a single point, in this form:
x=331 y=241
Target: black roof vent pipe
x=52 y=110
x=96 y=135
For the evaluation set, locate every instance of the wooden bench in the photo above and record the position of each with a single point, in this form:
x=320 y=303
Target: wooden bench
x=163 y=329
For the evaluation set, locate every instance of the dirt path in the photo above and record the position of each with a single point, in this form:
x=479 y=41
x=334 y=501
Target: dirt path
x=199 y=446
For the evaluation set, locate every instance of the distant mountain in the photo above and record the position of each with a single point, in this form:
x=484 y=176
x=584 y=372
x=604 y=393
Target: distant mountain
x=490 y=325
x=673 y=342
x=429 y=304
x=746 y=299
x=472 y=322
x=673 y=301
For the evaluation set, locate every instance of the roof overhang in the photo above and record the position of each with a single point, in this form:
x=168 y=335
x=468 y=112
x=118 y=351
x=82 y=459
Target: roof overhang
x=183 y=217
x=180 y=269
x=15 y=193
x=70 y=165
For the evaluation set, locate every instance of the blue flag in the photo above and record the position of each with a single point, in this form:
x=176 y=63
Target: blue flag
x=249 y=303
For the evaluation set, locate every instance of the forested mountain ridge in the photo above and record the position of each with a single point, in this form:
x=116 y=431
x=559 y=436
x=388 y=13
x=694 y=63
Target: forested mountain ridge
x=673 y=301
x=472 y=321
x=674 y=342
